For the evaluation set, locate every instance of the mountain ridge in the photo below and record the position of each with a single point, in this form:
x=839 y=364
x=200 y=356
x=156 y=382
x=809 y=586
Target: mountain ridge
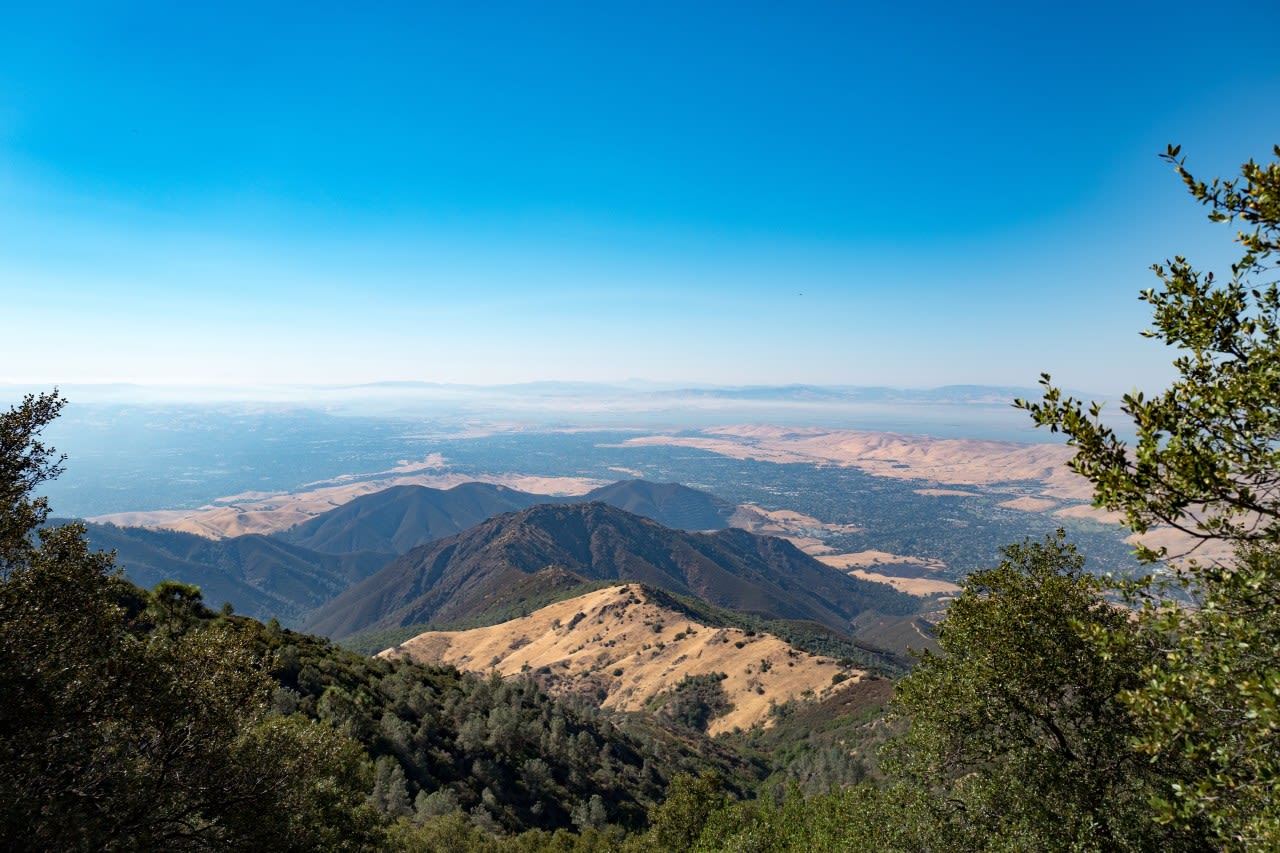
x=464 y=574
x=399 y=518
x=259 y=575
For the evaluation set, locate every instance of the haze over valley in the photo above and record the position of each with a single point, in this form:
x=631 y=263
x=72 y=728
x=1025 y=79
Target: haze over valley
x=919 y=510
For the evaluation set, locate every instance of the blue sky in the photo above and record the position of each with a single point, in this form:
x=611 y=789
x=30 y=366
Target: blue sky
x=255 y=193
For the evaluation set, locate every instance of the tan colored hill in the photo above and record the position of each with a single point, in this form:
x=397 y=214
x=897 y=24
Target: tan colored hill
x=803 y=531
x=621 y=649
x=259 y=512
x=879 y=566
x=942 y=462
x=949 y=461
x=946 y=462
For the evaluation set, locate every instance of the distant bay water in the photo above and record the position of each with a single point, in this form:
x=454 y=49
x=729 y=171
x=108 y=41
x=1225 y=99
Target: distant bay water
x=150 y=454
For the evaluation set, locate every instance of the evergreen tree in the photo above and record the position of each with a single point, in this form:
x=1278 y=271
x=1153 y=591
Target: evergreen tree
x=1017 y=736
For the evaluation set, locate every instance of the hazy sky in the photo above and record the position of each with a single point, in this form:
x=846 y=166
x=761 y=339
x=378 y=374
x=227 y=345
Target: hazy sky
x=852 y=193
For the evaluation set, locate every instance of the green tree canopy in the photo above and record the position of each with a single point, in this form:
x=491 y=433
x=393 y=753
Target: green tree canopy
x=25 y=462
x=128 y=724
x=1207 y=461
x=1207 y=455
x=1017 y=737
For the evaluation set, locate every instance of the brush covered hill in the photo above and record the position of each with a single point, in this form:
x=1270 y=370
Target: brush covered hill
x=492 y=565
x=669 y=504
x=396 y=520
x=504 y=752
x=289 y=574
x=259 y=575
x=624 y=648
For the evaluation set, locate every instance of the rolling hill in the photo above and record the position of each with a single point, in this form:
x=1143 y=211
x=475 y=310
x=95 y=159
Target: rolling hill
x=400 y=518
x=669 y=504
x=287 y=574
x=395 y=520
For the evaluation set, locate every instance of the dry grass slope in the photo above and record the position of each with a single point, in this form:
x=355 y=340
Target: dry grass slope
x=621 y=649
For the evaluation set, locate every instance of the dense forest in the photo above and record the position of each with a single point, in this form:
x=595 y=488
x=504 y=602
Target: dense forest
x=1065 y=711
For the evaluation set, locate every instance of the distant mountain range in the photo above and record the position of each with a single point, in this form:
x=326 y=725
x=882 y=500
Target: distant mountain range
x=407 y=390
x=289 y=574
x=480 y=554
x=492 y=565
x=395 y=520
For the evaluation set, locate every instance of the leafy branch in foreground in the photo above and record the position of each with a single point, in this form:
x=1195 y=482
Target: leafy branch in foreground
x=1207 y=456
x=1207 y=462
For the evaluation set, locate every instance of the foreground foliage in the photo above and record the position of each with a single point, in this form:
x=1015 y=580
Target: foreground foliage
x=1207 y=461
x=124 y=728
x=1017 y=735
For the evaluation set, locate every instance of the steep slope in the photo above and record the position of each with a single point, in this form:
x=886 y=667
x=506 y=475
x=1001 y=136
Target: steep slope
x=400 y=518
x=465 y=575
x=260 y=576
x=669 y=504
x=622 y=649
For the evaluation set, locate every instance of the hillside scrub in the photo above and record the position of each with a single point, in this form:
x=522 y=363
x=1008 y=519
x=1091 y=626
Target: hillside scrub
x=128 y=726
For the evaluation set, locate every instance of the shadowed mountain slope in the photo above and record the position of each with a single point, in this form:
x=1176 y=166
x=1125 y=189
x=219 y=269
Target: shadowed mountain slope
x=400 y=518
x=468 y=574
x=669 y=504
x=395 y=520
x=261 y=576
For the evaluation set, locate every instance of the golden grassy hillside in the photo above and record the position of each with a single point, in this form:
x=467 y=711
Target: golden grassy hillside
x=623 y=650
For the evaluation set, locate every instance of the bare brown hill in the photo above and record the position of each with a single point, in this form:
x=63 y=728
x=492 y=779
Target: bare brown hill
x=479 y=571
x=950 y=461
x=622 y=649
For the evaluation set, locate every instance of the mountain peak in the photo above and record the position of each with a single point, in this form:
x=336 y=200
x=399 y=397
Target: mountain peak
x=474 y=572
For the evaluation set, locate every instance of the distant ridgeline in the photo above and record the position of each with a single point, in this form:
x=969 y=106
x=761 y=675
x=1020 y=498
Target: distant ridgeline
x=288 y=574
x=462 y=576
x=396 y=557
